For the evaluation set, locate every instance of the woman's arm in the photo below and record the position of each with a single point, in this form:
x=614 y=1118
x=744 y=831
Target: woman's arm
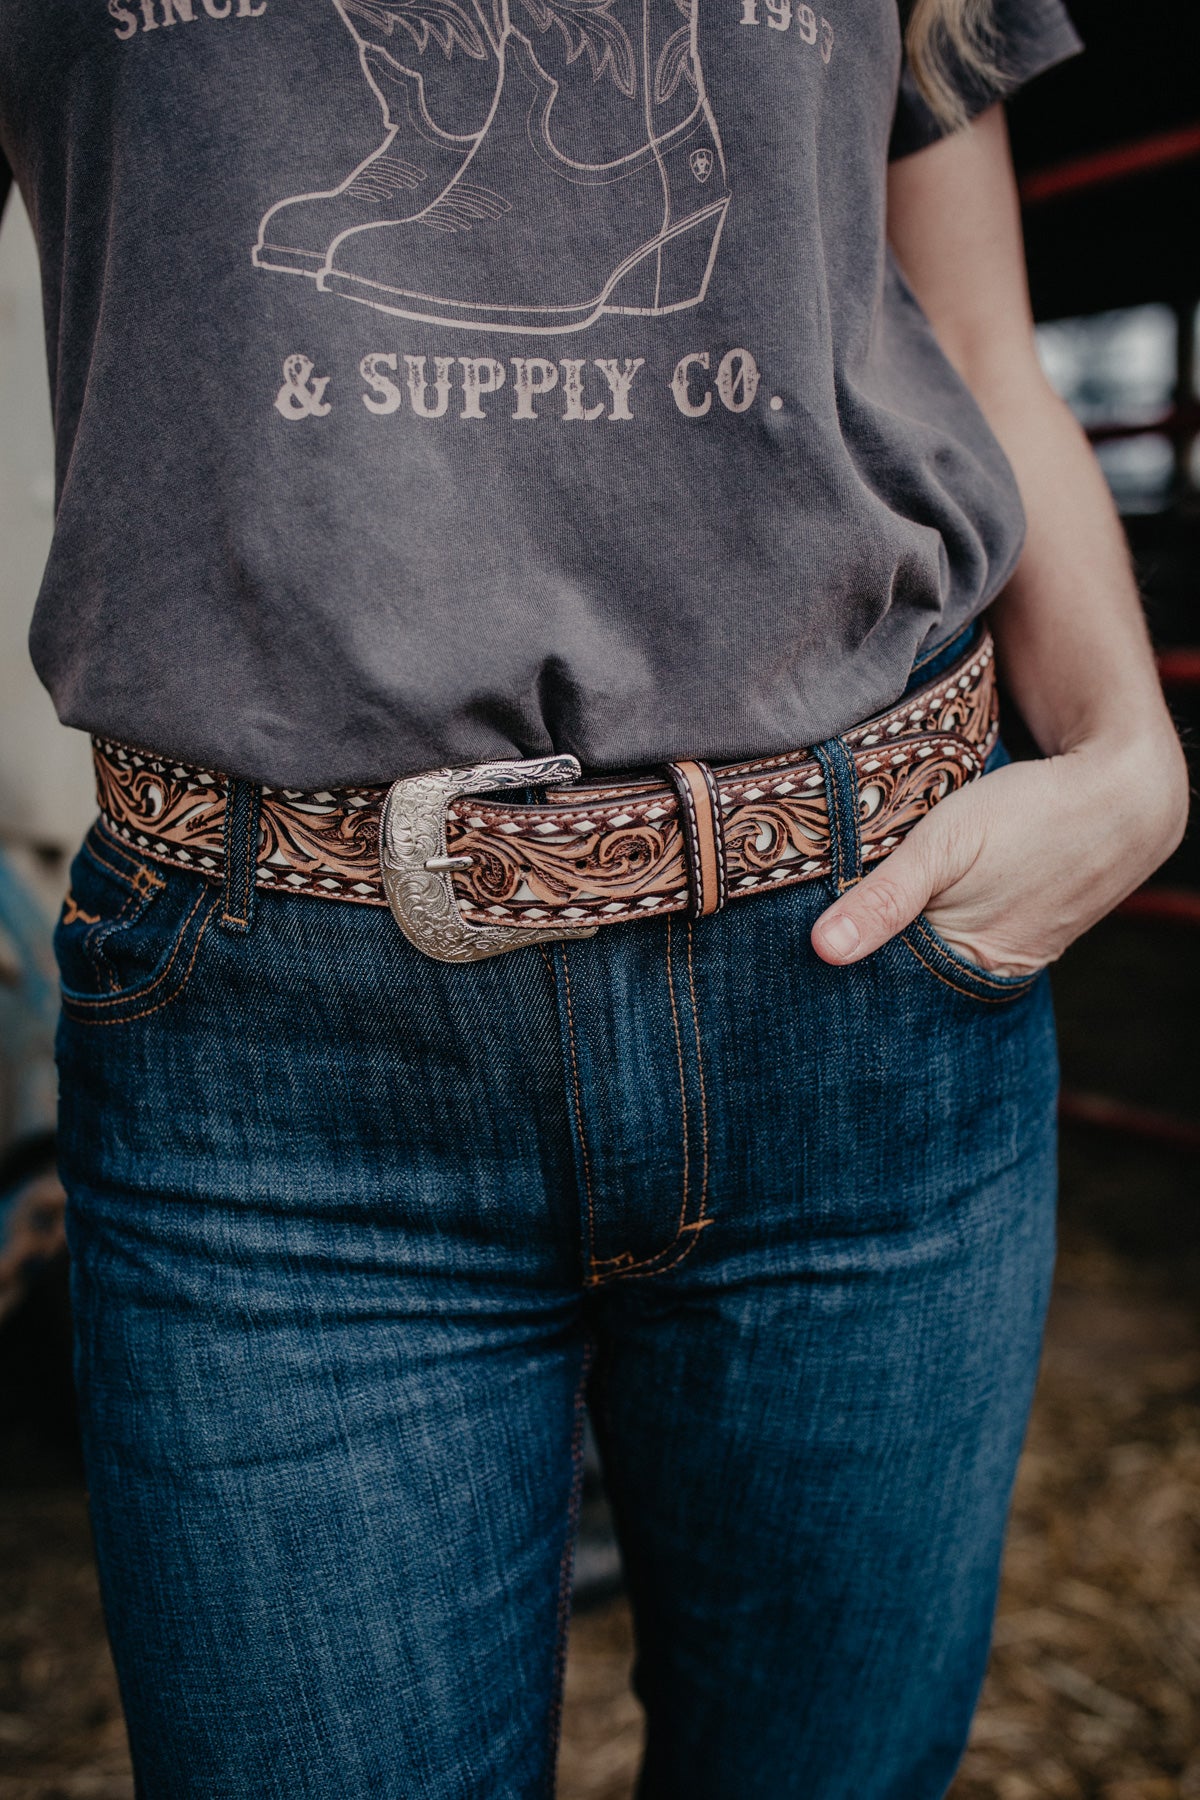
x=1013 y=868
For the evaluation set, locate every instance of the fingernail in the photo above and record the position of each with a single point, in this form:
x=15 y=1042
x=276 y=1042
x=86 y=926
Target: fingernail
x=841 y=936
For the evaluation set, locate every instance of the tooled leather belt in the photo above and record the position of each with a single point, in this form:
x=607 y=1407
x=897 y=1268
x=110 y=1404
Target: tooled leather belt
x=599 y=853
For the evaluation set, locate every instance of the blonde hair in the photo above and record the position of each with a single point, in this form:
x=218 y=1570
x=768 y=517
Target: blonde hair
x=941 y=34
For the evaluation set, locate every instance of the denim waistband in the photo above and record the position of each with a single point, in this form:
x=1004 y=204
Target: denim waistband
x=928 y=668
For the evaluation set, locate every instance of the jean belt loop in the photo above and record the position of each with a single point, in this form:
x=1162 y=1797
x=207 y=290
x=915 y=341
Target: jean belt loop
x=841 y=797
x=242 y=802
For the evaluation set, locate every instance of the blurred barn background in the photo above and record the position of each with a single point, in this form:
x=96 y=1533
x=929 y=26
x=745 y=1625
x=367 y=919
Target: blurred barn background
x=1094 y=1689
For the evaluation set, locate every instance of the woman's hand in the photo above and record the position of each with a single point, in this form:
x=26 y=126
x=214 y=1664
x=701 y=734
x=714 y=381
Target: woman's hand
x=1012 y=868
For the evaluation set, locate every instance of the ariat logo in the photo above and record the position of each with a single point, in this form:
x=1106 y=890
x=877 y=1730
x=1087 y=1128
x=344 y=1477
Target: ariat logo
x=701 y=164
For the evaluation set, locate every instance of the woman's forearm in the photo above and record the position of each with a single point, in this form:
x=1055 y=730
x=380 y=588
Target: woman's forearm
x=1069 y=627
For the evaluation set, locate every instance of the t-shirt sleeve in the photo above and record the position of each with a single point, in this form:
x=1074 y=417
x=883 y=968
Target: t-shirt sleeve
x=1027 y=37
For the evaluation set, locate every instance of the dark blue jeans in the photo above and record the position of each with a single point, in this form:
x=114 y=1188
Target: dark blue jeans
x=357 y=1236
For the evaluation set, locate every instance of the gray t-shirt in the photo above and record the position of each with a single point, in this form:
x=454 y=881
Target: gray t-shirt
x=437 y=380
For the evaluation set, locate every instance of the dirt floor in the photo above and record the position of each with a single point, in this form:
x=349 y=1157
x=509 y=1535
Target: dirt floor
x=1094 y=1686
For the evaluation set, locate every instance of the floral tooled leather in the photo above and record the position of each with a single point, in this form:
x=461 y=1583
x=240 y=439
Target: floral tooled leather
x=322 y=843
x=611 y=852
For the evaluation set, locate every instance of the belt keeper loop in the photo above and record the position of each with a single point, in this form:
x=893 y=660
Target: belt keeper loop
x=243 y=800
x=841 y=800
x=703 y=834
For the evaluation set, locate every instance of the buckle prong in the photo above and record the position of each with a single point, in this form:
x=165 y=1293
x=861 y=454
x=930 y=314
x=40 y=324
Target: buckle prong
x=416 y=864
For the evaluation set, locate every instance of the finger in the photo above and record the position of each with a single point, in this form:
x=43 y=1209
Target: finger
x=885 y=901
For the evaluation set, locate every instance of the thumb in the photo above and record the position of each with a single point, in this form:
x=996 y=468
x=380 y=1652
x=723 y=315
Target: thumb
x=878 y=906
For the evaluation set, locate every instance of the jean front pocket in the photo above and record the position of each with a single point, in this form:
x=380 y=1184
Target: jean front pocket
x=129 y=934
x=954 y=970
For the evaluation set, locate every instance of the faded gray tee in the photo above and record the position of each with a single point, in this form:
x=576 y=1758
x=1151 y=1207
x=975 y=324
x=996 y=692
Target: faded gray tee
x=437 y=380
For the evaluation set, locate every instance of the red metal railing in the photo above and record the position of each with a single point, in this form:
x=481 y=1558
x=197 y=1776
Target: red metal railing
x=1142 y=1122
x=1179 y=668
x=1100 y=168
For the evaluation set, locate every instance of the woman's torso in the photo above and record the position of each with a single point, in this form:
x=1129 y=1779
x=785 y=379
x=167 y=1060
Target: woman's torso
x=589 y=414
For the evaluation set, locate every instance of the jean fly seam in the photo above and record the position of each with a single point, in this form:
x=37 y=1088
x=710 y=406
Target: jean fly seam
x=627 y=1267
x=578 y=1104
x=655 y=1265
x=663 y=1259
x=683 y=1105
x=700 y=1080
x=566 y=1570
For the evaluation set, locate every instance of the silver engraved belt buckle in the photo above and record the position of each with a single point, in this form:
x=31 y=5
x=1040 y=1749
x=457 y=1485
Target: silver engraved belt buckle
x=416 y=867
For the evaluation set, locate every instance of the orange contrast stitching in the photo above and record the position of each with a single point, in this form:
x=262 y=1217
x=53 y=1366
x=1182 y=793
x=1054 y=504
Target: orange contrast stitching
x=653 y=1264
x=72 y=911
x=969 y=993
x=140 y=873
x=167 y=998
x=104 y=929
x=97 y=831
x=140 y=993
x=139 y=881
x=623 y=1264
x=998 y=982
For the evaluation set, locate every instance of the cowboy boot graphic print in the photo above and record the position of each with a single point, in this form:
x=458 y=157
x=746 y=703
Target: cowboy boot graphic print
x=432 y=117
x=596 y=184
x=611 y=169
